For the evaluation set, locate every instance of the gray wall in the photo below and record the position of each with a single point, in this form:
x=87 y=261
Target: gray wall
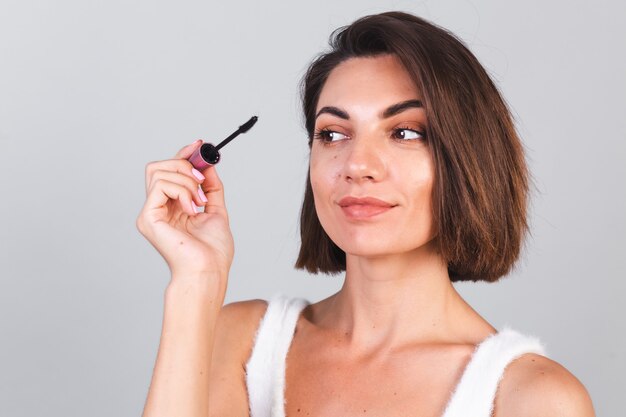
x=92 y=91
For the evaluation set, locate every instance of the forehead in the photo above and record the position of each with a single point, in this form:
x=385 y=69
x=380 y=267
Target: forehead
x=382 y=80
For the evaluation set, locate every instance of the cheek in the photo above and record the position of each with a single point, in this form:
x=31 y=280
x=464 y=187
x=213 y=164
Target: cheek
x=417 y=186
x=422 y=187
x=324 y=173
x=414 y=175
x=314 y=175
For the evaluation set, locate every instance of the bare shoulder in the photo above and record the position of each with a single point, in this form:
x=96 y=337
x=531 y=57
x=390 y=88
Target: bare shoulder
x=238 y=322
x=243 y=309
x=235 y=329
x=534 y=386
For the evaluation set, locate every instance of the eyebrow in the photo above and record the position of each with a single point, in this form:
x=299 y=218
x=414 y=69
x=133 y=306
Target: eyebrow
x=388 y=112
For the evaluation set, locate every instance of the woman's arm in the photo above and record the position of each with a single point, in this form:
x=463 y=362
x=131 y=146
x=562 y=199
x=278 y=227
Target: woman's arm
x=180 y=382
x=198 y=248
x=183 y=357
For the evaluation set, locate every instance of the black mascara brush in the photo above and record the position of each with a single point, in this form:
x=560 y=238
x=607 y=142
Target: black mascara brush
x=208 y=154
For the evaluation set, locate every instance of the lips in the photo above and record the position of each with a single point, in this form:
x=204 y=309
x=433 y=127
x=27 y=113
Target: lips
x=364 y=207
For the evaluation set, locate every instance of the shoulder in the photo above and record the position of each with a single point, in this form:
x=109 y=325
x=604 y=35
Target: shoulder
x=533 y=385
x=233 y=341
x=235 y=329
x=246 y=308
x=240 y=318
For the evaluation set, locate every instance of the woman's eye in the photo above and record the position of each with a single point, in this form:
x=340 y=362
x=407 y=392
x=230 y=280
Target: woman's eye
x=326 y=135
x=407 y=134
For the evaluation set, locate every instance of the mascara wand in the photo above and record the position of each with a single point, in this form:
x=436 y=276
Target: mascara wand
x=208 y=154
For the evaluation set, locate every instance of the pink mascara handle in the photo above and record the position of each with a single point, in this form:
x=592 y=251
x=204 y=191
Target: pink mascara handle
x=205 y=156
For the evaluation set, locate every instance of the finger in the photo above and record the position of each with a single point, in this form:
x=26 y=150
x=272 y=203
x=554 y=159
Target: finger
x=174 y=165
x=186 y=180
x=163 y=191
x=213 y=190
x=188 y=150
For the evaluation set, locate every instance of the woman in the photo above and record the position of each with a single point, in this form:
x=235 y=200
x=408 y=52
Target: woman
x=417 y=179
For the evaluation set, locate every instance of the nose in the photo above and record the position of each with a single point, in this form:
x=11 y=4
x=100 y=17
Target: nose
x=364 y=161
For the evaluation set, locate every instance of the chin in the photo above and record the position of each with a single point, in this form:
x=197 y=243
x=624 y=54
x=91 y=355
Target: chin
x=372 y=248
x=378 y=243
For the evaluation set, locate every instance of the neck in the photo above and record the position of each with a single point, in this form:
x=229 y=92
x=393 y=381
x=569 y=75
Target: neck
x=394 y=300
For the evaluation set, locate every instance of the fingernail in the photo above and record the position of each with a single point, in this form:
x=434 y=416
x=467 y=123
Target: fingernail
x=194 y=207
x=202 y=196
x=197 y=174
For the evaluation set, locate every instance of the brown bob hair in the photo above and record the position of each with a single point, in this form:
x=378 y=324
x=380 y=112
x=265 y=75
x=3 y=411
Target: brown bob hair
x=481 y=182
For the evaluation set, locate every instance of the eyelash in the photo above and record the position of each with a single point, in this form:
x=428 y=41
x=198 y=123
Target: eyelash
x=320 y=135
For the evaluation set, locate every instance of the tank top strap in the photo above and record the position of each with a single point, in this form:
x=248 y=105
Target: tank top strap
x=475 y=393
x=265 y=369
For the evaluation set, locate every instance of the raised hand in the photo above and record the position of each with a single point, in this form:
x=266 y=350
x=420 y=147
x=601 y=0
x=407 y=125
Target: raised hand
x=192 y=243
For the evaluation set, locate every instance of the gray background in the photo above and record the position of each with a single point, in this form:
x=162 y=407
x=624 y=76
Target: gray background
x=91 y=91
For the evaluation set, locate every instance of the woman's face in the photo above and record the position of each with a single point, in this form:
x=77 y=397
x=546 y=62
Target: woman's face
x=371 y=169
